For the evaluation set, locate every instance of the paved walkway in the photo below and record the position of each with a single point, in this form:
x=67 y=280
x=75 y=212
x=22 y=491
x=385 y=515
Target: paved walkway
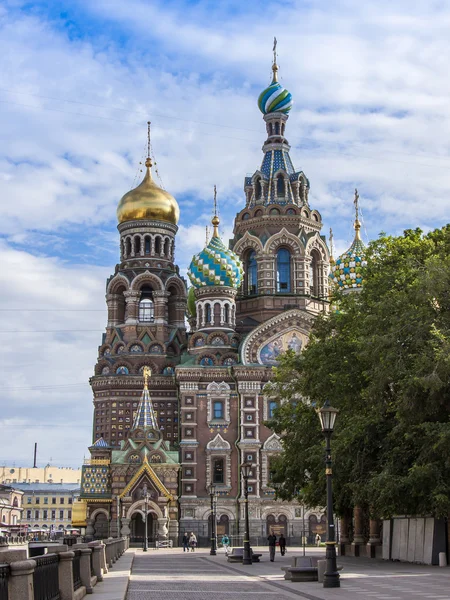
x=175 y=575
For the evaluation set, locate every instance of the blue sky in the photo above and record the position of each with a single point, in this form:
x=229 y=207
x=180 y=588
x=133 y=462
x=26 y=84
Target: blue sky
x=79 y=82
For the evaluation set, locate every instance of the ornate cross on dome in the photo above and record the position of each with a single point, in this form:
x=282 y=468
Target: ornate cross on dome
x=356 y=203
x=146 y=373
x=275 y=66
x=215 y=220
x=148 y=161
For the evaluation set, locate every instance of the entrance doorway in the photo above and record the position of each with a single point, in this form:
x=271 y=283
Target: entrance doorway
x=101 y=527
x=137 y=527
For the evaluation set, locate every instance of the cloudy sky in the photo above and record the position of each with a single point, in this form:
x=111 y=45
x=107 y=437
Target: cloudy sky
x=78 y=82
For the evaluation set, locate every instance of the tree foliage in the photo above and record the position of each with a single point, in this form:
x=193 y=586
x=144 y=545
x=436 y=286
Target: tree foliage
x=383 y=359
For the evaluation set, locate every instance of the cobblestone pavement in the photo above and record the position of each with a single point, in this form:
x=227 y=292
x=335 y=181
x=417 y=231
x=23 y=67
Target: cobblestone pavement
x=178 y=576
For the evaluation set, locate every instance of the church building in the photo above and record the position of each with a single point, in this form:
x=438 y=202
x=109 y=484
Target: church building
x=176 y=410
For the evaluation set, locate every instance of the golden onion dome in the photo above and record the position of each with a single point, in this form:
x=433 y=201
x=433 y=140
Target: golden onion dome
x=148 y=201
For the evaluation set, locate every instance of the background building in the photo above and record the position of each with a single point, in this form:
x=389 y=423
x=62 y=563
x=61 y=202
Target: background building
x=48 y=505
x=10 y=506
x=249 y=302
x=47 y=474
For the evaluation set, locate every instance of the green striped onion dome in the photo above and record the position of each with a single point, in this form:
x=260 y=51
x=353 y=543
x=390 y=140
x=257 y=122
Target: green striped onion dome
x=275 y=99
x=348 y=270
x=216 y=265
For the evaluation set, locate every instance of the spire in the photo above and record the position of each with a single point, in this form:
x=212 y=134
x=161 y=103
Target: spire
x=274 y=65
x=207 y=235
x=148 y=160
x=145 y=415
x=357 y=224
x=331 y=246
x=215 y=220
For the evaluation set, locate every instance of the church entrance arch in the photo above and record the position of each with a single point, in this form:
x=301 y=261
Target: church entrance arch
x=137 y=527
x=277 y=526
x=101 y=526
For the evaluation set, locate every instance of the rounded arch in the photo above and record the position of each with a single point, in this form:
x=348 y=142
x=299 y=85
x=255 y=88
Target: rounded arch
x=315 y=214
x=118 y=284
x=258 y=212
x=97 y=511
x=139 y=506
x=284 y=239
x=176 y=283
x=317 y=243
x=248 y=242
x=276 y=513
x=147 y=278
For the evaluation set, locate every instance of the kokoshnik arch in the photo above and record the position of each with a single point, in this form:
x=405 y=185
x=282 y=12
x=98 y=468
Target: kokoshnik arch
x=200 y=413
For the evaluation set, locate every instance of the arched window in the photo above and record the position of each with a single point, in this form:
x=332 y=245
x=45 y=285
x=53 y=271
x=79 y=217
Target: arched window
x=277 y=128
x=283 y=270
x=146 y=305
x=227 y=314
x=128 y=245
x=313 y=275
x=252 y=273
x=218 y=410
x=166 y=247
x=157 y=244
x=258 y=189
x=207 y=313
x=280 y=186
x=137 y=244
x=282 y=128
x=147 y=244
x=272 y=406
x=218 y=470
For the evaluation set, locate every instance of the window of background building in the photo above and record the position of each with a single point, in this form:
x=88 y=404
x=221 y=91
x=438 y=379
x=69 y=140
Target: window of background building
x=37 y=501
x=45 y=514
x=29 y=500
x=69 y=500
x=45 y=500
x=69 y=514
x=28 y=514
x=61 y=514
x=53 y=500
x=61 y=500
x=36 y=514
x=53 y=515
x=272 y=406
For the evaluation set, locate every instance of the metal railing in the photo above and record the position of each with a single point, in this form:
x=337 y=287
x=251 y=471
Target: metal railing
x=4 y=573
x=45 y=578
x=76 y=570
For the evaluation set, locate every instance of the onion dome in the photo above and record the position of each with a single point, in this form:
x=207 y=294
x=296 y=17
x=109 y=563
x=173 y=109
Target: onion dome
x=148 y=201
x=216 y=265
x=348 y=270
x=275 y=98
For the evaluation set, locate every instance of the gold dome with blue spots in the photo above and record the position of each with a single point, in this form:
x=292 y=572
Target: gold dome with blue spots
x=216 y=265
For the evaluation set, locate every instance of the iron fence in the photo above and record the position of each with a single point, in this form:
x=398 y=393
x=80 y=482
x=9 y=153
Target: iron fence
x=76 y=569
x=45 y=577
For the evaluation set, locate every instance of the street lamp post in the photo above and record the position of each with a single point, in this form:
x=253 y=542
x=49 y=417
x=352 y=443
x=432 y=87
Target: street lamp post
x=327 y=415
x=246 y=470
x=212 y=494
x=144 y=492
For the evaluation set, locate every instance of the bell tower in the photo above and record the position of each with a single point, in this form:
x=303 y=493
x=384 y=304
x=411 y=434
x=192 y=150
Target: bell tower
x=146 y=299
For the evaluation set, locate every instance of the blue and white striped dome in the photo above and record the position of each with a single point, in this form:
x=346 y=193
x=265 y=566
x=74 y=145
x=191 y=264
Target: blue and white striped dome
x=275 y=98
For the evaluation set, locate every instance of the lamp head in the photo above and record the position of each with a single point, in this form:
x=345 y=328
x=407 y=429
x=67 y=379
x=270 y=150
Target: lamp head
x=327 y=416
x=212 y=489
x=246 y=469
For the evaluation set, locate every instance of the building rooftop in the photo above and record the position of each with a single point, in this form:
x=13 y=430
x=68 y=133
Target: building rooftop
x=48 y=487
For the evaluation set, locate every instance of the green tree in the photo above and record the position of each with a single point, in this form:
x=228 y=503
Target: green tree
x=383 y=359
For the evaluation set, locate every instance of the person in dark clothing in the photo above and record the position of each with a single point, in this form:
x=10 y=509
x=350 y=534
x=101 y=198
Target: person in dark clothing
x=185 y=543
x=282 y=544
x=272 y=541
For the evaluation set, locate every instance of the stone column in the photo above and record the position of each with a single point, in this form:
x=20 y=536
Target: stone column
x=358 y=536
x=180 y=310
x=374 y=532
x=132 y=302
x=96 y=560
x=20 y=581
x=103 y=563
x=162 y=528
x=65 y=574
x=161 y=300
x=125 y=530
x=90 y=528
x=111 y=301
x=85 y=569
x=344 y=530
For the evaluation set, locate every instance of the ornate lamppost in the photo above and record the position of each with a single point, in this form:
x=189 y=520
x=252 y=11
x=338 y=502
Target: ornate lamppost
x=327 y=416
x=145 y=495
x=213 y=496
x=246 y=469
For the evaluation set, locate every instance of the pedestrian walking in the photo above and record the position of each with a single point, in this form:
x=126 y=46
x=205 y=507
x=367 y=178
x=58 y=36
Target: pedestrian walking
x=185 y=542
x=282 y=544
x=272 y=541
x=193 y=541
x=226 y=543
x=318 y=540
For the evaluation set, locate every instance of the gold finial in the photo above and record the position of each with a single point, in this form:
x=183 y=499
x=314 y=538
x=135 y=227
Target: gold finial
x=146 y=373
x=357 y=224
x=215 y=220
x=148 y=160
x=275 y=66
x=331 y=245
